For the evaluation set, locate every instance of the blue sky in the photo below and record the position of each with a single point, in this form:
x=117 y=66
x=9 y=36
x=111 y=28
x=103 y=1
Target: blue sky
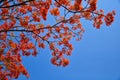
x=95 y=57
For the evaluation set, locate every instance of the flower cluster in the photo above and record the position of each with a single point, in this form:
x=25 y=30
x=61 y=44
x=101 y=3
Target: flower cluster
x=25 y=28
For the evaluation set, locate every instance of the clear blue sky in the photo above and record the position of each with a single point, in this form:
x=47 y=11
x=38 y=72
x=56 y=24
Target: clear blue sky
x=95 y=57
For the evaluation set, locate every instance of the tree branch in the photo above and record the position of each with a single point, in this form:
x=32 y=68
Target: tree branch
x=19 y=4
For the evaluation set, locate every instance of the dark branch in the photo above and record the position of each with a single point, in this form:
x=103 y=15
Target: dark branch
x=24 y=30
x=19 y=4
x=16 y=30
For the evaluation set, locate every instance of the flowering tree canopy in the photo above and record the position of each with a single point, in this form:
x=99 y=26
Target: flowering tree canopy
x=23 y=30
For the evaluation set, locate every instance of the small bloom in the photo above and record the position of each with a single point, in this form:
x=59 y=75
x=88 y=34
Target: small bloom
x=109 y=18
x=55 y=12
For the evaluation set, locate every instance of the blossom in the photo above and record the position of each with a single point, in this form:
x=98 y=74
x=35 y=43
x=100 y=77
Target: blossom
x=109 y=18
x=65 y=62
x=55 y=12
x=97 y=23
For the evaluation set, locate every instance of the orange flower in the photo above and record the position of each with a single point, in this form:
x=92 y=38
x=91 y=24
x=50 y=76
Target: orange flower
x=54 y=60
x=12 y=44
x=1 y=67
x=52 y=46
x=29 y=8
x=79 y=1
x=64 y=2
x=24 y=21
x=1 y=50
x=65 y=62
x=55 y=12
x=3 y=36
x=70 y=46
x=22 y=10
x=65 y=41
x=92 y=1
x=43 y=45
x=57 y=29
x=34 y=52
x=109 y=18
x=78 y=6
x=5 y=11
x=22 y=35
x=30 y=45
x=97 y=23
x=44 y=13
x=93 y=7
x=23 y=70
